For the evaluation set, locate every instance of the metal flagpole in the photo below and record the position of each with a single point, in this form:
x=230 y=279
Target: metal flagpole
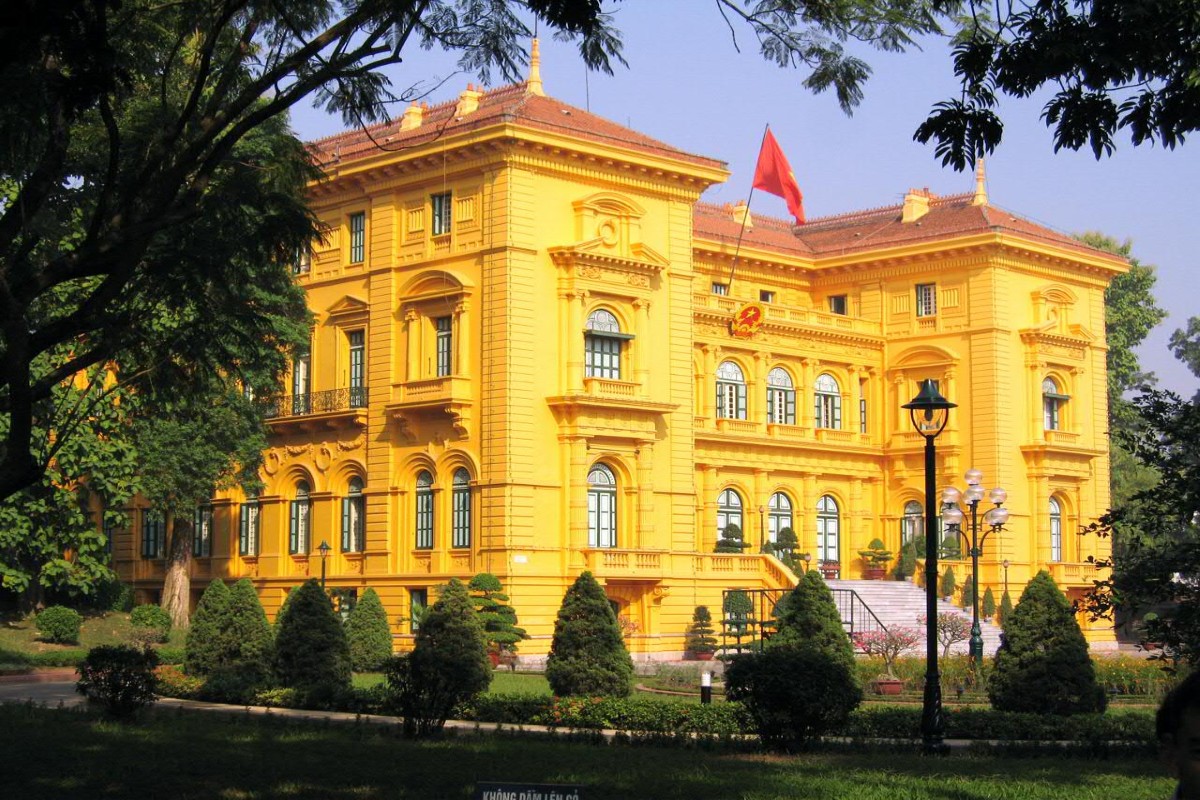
x=738 y=247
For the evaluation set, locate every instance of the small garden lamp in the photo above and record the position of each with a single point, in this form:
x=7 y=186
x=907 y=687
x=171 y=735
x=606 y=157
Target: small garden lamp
x=323 y=549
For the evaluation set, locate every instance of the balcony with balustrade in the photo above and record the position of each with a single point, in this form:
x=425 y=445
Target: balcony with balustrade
x=333 y=408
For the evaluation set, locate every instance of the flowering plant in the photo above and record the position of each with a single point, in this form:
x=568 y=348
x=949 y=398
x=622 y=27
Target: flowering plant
x=889 y=644
x=629 y=626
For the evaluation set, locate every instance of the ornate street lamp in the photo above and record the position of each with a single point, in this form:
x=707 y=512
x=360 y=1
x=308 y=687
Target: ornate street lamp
x=807 y=558
x=930 y=412
x=324 y=549
x=993 y=519
x=1006 y=565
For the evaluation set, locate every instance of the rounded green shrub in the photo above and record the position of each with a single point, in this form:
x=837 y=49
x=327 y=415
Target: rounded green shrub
x=247 y=640
x=793 y=694
x=202 y=650
x=808 y=618
x=587 y=653
x=119 y=678
x=448 y=665
x=59 y=624
x=1043 y=664
x=311 y=654
x=368 y=633
x=153 y=619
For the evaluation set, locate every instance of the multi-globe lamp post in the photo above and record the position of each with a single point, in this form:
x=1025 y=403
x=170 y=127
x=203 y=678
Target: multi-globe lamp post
x=993 y=521
x=929 y=413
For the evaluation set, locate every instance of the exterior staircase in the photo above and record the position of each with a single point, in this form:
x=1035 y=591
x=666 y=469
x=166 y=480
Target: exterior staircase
x=901 y=603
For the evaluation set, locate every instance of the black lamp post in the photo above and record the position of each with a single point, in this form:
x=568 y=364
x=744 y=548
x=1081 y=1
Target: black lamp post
x=994 y=519
x=762 y=530
x=1005 y=564
x=807 y=558
x=930 y=412
x=324 y=550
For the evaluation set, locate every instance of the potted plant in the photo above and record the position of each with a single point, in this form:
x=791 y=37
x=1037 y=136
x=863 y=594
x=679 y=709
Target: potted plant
x=701 y=643
x=875 y=559
x=889 y=644
x=830 y=570
x=731 y=539
x=906 y=564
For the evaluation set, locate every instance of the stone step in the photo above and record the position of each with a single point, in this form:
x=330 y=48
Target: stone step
x=901 y=603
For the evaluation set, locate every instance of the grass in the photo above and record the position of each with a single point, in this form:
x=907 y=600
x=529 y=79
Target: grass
x=20 y=643
x=71 y=754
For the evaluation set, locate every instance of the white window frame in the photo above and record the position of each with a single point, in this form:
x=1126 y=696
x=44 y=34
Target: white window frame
x=603 y=345
x=781 y=398
x=358 y=237
x=354 y=517
x=1056 y=537
x=423 y=508
x=829 y=528
x=602 y=506
x=300 y=520
x=730 y=512
x=827 y=402
x=731 y=391
x=460 y=512
x=248 y=521
x=912 y=523
x=1053 y=403
x=779 y=515
x=440 y=211
x=926 y=299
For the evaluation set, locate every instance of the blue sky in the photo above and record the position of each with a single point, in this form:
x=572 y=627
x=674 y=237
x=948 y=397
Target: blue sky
x=688 y=85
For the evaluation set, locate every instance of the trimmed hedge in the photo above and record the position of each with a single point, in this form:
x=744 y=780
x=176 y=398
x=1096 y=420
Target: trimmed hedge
x=59 y=624
x=626 y=714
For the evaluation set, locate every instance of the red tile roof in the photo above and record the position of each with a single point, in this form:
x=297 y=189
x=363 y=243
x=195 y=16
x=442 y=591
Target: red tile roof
x=508 y=104
x=875 y=229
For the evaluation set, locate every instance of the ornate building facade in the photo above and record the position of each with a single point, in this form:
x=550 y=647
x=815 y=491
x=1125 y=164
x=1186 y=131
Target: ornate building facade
x=526 y=362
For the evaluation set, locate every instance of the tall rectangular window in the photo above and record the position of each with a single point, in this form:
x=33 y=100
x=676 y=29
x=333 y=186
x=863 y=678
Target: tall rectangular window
x=154 y=534
x=765 y=296
x=720 y=288
x=298 y=526
x=202 y=532
x=445 y=346
x=781 y=406
x=301 y=369
x=424 y=512
x=926 y=299
x=838 y=305
x=440 y=204
x=862 y=415
x=358 y=237
x=248 y=528
x=460 y=535
x=303 y=262
x=602 y=357
x=418 y=601
x=358 y=395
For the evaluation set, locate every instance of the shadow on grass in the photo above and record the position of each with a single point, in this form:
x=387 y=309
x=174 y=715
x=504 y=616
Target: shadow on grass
x=173 y=754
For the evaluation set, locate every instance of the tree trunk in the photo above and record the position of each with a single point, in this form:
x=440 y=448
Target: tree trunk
x=177 y=585
x=33 y=598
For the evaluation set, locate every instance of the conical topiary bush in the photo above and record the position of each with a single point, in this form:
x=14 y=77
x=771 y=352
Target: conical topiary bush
x=368 y=633
x=311 y=653
x=587 y=654
x=203 y=648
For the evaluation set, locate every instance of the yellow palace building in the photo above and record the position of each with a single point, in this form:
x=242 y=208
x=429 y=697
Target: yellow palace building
x=525 y=362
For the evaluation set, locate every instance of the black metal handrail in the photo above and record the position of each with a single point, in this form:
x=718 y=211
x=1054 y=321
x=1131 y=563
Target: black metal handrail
x=299 y=405
x=857 y=616
x=752 y=625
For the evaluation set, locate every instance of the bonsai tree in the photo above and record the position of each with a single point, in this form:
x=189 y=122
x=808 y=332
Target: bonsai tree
x=731 y=539
x=947 y=584
x=448 y=665
x=587 y=653
x=785 y=546
x=951 y=627
x=700 y=637
x=875 y=557
x=989 y=604
x=311 y=653
x=951 y=546
x=889 y=645
x=368 y=633
x=738 y=614
x=498 y=618
x=808 y=618
x=203 y=648
x=1043 y=665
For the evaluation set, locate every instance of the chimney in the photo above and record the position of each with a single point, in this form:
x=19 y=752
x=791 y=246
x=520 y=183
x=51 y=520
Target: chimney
x=412 y=117
x=980 y=198
x=741 y=214
x=468 y=101
x=916 y=204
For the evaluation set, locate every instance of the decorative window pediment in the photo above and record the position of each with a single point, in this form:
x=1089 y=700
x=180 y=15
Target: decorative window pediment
x=348 y=309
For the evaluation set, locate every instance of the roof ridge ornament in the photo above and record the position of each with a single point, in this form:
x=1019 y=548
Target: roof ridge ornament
x=534 y=84
x=981 y=197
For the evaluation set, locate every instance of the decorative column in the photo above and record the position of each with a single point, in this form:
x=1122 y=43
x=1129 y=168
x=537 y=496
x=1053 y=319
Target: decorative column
x=708 y=520
x=641 y=342
x=462 y=340
x=577 y=536
x=804 y=393
x=857 y=514
x=707 y=387
x=412 y=333
x=1040 y=520
x=762 y=493
x=573 y=346
x=644 y=536
x=756 y=408
x=806 y=514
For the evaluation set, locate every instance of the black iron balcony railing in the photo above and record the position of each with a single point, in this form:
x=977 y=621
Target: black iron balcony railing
x=299 y=405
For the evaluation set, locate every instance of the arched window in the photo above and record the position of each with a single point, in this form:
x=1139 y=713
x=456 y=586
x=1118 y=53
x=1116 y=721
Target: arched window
x=729 y=512
x=460 y=534
x=353 y=517
x=1056 y=553
x=731 y=391
x=248 y=527
x=779 y=515
x=299 y=523
x=828 y=402
x=781 y=398
x=912 y=524
x=1053 y=401
x=602 y=507
x=828 y=528
x=424 y=539
x=602 y=346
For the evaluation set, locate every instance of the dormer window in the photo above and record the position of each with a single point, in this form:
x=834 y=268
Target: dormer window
x=926 y=299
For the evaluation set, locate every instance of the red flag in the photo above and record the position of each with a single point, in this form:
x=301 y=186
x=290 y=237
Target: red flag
x=773 y=174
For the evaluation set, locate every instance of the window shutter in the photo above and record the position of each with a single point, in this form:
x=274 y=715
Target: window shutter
x=294 y=528
x=346 y=546
x=789 y=417
x=817 y=421
x=837 y=412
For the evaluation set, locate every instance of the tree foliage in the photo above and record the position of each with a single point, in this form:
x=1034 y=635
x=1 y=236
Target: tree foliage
x=368 y=633
x=1156 y=533
x=1043 y=665
x=311 y=653
x=1112 y=66
x=1185 y=344
x=448 y=665
x=119 y=678
x=248 y=643
x=499 y=619
x=587 y=653
x=203 y=651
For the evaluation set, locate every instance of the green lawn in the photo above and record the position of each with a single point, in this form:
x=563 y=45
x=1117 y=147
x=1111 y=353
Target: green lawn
x=19 y=636
x=69 y=754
